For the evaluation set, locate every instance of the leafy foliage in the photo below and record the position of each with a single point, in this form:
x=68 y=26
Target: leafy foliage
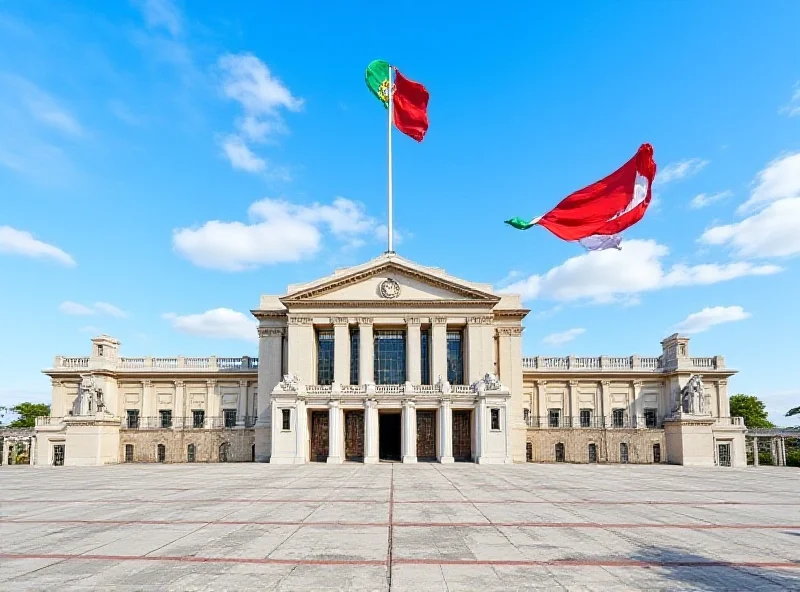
x=751 y=408
x=26 y=414
x=795 y=411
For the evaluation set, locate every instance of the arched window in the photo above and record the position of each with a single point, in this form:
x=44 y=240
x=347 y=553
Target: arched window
x=224 y=450
x=592 y=453
x=529 y=452
x=190 y=453
x=128 y=452
x=560 y=452
x=162 y=453
x=623 y=452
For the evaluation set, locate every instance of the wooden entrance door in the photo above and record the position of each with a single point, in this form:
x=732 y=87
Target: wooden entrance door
x=426 y=435
x=462 y=435
x=354 y=435
x=319 y=436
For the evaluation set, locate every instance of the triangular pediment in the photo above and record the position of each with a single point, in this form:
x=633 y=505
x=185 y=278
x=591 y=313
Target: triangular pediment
x=390 y=279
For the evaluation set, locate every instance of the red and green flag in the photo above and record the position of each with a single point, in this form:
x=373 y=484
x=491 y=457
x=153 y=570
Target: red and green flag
x=409 y=98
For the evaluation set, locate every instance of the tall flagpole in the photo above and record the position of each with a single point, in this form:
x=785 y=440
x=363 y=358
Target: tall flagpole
x=391 y=120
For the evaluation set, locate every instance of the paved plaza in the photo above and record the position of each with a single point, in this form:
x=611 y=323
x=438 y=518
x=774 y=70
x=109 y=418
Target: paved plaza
x=398 y=527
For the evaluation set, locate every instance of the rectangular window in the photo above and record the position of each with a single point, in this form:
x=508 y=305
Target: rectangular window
x=618 y=418
x=526 y=415
x=198 y=418
x=286 y=416
x=325 y=357
x=355 y=338
x=455 y=357
x=555 y=418
x=495 y=419
x=161 y=452
x=133 y=418
x=390 y=357
x=425 y=355
x=165 y=416
x=586 y=418
x=650 y=418
x=230 y=418
x=128 y=453
x=190 y=453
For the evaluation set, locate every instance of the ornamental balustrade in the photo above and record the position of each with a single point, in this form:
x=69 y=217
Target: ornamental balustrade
x=211 y=363
x=596 y=422
x=606 y=363
x=192 y=422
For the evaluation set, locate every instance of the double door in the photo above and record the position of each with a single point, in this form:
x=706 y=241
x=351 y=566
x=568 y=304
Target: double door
x=426 y=435
x=462 y=435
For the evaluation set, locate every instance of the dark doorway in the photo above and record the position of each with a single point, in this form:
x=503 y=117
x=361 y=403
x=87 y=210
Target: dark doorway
x=319 y=436
x=656 y=453
x=58 y=455
x=426 y=435
x=462 y=435
x=389 y=436
x=354 y=435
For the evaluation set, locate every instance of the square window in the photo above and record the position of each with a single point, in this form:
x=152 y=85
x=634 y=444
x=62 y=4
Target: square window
x=495 y=414
x=285 y=419
x=230 y=418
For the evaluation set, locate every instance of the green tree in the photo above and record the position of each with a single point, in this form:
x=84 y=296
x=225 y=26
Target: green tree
x=752 y=409
x=27 y=414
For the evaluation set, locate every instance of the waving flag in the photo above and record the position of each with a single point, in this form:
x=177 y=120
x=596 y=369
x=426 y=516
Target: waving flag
x=409 y=98
x=603 y=209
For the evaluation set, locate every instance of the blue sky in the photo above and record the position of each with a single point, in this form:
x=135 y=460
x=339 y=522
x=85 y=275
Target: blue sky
x=162 y=164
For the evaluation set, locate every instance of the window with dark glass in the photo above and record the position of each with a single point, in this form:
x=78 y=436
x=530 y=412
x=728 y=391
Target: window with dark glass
x=455 y=357
x=128 y=452
x=592 y=453
x=285 y=416
x=560 y=457
x=355 y=337
x=650 y=418
x=165 y=415
x=198 y=418
x=623 y=453
x=526 y=415
x=425 y=355
x=190 y=453
x=133 y=418
x=161 y=452
x=656 y=453
x=230 y=418
x=390 y=357
x=618 y=418
x=586 y=418
x=325 y=357
x=495 y=415
x=554 y=418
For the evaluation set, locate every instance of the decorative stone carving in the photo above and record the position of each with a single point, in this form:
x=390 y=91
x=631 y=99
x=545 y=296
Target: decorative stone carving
x=179 y=384
x=489 y=382
x=365 y=320
x=444 y=386
x=510 y=331
x=693 y=397
x=89 y=399
x=300 y=320
x=439 y=320
x=389 y=289
x=290 y=383
x=270 y=331
x=413 y=321
x=480 y=320
x=339 y=320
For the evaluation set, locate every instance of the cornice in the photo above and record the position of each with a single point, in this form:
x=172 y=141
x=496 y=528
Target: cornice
x=395 y=303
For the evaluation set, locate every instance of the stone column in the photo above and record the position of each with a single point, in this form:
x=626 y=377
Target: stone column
x=270 y=361
x=147 y=401
x=541 y=403
x=335 y=433
x=638 y=404
x=773 y=452
x=366 y=351
x=413 y=351
x=438 y=347
x=241 y=407
x=605 y=387
x=341 y=350
x=370 y=431
x=409 y=431
x=212 y=404
x=445 y=431
x=574 y=413
x=179 y=421
x=755 y=451
x=782 y=450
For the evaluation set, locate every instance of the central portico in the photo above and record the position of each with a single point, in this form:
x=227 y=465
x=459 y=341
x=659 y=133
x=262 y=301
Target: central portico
x=390 y=360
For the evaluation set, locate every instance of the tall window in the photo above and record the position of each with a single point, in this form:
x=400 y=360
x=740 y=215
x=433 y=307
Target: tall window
x=455 y=357
x=586 y=418
x=128 y=452
x=162 y=453
x=425 y=349
x=166 y=418
x=495 y=415
x=623 y=452
x=554 y=418
x=133 y=418
x=230 y=418
x=355 y=337
x=650 y=418
x=190 y=453
x=198 y=418
x=592 y=453
x=656 y=453
x=324 y=357
x=390 y=357
x=560 y=456
x=618 y=418
x=285 y=420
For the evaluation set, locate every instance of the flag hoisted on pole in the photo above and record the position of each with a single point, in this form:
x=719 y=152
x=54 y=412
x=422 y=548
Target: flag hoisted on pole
x=407 y=104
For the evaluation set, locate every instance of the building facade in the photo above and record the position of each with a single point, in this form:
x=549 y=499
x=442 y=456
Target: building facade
x=390 y=360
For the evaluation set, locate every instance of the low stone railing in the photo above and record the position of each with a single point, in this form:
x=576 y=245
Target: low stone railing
x=148 y=363
x=608 y=363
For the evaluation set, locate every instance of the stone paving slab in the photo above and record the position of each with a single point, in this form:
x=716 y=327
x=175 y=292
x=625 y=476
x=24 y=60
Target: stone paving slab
x=399 y=527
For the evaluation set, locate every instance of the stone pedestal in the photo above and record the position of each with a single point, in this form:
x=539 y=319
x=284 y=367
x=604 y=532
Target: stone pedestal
x=91 y=440
x=690 y=440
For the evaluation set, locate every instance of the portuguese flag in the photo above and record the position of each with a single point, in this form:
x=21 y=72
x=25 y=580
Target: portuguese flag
x=409 y=98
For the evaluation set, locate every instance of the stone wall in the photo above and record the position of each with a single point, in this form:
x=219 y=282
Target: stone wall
x=207 y=444
x=576 y=444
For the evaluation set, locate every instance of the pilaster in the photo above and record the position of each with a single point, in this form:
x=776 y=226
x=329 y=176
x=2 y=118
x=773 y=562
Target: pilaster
x=58 y=403
x=241 y=407
x=148 y=404
x=341 y=350
x=605 y=389
x=479 y=350
x=413 y=350
x=335 y=433
x=179 y=405
x=409 y=439
x=271 y=355
x=366 y=351
x=445 y=431
x=638 y=403
x=302 y=348
x=722 y=398
x=573 y=404
x=212 y=404
x=541 y=402
x=370 y=431
x=438 y=348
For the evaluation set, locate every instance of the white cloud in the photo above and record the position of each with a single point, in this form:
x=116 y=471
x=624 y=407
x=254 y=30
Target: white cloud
x=704 y=199
x=241 y=157
x=19 y=242
x=793 y=107
x=162 y=13
x=220 y=323
x=698 y=322
x=248 y=81
x=563 y=337
x=279 y=232
x=780 y=179
x=73 y=308
x=381 y=233
x=609 y=276
x=772 y=232
x=44 y=108
x=680 y=170
x=110 y=310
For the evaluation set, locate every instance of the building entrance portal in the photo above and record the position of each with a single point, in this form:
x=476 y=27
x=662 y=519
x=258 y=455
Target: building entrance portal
x=426 y=435
x=389 y=436
x=462 y=435
x=319 y=436
x=354 y=435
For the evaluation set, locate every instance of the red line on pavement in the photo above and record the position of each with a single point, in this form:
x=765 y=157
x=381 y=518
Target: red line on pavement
x=396 y=502
x=195 y=559
x=209 y=522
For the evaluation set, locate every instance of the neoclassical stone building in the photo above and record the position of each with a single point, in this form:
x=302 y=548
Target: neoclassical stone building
x=390 y=360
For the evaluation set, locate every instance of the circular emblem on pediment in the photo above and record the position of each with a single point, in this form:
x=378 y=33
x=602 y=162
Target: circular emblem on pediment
x=389 y=288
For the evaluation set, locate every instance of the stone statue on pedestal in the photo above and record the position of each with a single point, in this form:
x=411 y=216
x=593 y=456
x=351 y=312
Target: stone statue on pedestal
x=693 y=397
